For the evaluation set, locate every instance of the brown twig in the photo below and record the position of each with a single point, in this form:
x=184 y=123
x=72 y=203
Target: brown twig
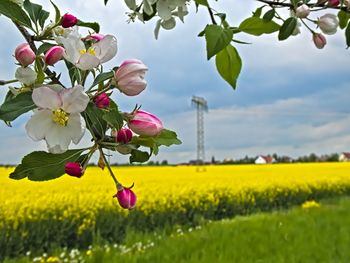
x=30 y=39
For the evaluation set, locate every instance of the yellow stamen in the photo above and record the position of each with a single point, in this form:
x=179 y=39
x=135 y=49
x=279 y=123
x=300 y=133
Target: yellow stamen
x=60 y=117
x=90 y=51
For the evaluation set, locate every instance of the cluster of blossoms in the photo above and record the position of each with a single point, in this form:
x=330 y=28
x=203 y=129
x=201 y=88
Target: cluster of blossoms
x=62 y=114
x=327 y=23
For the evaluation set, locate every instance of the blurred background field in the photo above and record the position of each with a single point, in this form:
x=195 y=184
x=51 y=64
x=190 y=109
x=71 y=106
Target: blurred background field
x=76 y=213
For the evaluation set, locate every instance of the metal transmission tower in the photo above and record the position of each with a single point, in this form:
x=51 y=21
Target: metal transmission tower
x=201 y=106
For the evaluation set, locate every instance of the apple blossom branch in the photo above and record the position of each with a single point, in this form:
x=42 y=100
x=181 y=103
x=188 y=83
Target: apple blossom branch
x=283 y=4
x=30 y=39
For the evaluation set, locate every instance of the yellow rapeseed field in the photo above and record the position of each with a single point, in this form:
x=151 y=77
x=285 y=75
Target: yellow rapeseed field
x=76 y=210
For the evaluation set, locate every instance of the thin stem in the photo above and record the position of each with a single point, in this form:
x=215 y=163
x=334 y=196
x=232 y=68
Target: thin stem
x=307 y=26
x=274 y=3
x=118 y=185
x=5 y=82
x=211 y=16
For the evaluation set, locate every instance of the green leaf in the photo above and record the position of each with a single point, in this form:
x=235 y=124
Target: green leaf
x=269 y=15
x=202 y=2
x=113 y=117
x=43 y=48
x=102 y=77
x=217 y=38
x=93 y=25
x=14 y=12
x=229 y=64
x=74 y=72
x=43 y=166
x=36 y=12
x=40 y=72
x=257 y=12
x=257 y=26
x=287 y=28
x=167 y=138
x=347 y=35
x=57 y=12
x=94 y=120
x=16 y=106
x=343 y=17
x=139 y=156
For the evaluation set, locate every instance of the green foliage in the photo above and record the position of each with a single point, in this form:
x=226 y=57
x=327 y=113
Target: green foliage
x=229 y=65
x=16 y=105
x=44 y=47
x=102 y=77
x=138 y=156
x=14 y=12
x=217 y=38
x=95 y=122
x=343 y=18
x=43 y=166
x=202 y=2
x=257 y=26
x=57 y=12
x=269 y=15
x=347 y=35
x=112 y=116
x=287 y=28
x=36 y=12
x=93 y=25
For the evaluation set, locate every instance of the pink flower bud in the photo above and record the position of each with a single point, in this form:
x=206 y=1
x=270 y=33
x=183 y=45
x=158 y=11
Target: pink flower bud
x=126 y=198
x=53 y=55
x=130 y=77
x=102 y=101
x=333 y=3
x=74 y=169
x=319 y=40
x=68 y=20
x=144 y=123
x=97 y=37
x=124 y=135
x=24 y=54
x=302 y=11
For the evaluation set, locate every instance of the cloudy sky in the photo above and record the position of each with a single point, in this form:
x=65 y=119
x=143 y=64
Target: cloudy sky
x=292 y=98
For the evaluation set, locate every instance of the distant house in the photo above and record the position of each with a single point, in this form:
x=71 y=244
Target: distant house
x=264 y=159
x=344 y=157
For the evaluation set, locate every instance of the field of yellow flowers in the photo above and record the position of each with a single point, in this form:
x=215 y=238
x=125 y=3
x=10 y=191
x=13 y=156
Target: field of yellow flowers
x=72 y=212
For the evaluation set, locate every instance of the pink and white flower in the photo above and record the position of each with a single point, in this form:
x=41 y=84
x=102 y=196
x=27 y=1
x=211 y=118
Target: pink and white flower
x=26 y=75
x=302 y=11
x=86 y=59
x=130 y=77
x=328 y=23
x=146 y=124
x=58 y=120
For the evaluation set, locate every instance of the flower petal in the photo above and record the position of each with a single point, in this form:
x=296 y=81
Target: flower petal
x=72 y=45
x=74 y=100
x=106 y=49
x=39 y=124
x=25 y=75
x=87 y=62
x=76 y=127
x=58 y=139
x=46 y=98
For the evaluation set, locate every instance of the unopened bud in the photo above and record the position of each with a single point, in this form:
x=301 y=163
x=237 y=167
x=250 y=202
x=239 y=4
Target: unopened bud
x=319 y=40
x=69 y=20
x=53 y=55
x=124 y=135
x=126 y=198
x=24 y=54
x=73 y=169
x=102 y=101
x=144 y=123
x=302 y=11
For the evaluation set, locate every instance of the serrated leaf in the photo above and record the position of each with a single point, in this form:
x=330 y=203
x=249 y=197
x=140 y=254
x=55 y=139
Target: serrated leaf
x=94 y=120
x=102 y=77
x=216 y=38
x=43 y=166
x=167 y=138
x=257 y=26
x=93 y=25
x=229 y=64
x=16 y=106
x=139 y=156
x=287 y=28
x=113 y=117
x=14 y=12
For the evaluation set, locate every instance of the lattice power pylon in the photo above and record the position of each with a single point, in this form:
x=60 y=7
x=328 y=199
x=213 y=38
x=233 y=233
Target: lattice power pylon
x=201 y=106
